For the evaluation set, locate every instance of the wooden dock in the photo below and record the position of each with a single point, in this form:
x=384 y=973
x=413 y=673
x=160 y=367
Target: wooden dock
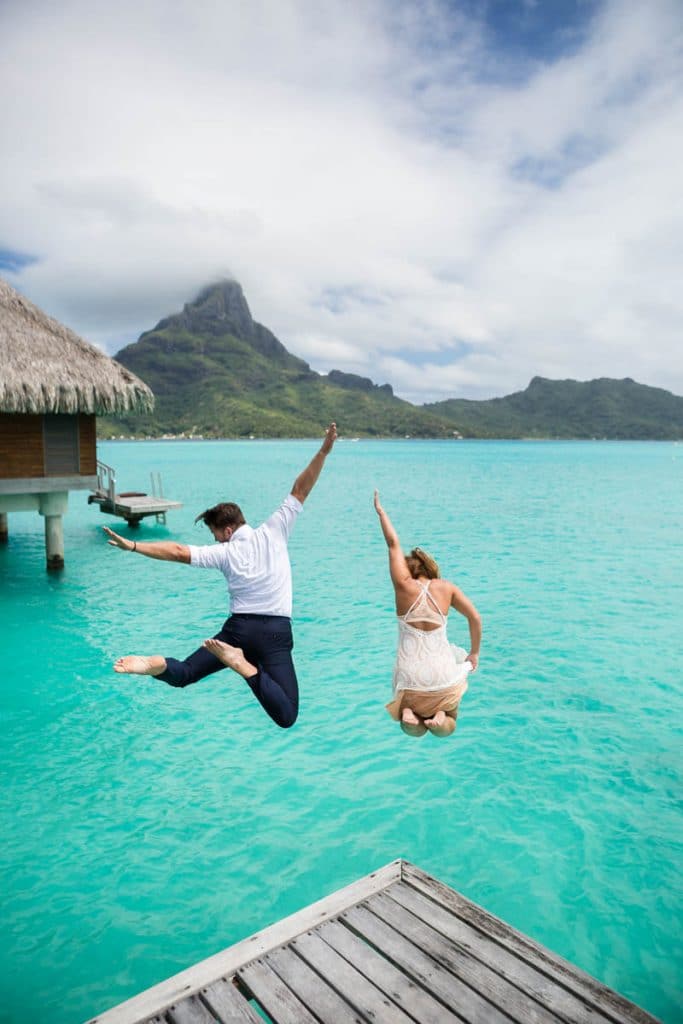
x=395 y=947
x=133 y=506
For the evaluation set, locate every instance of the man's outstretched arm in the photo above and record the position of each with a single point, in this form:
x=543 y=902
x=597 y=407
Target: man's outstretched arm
x=303 y=485
x=163 y=550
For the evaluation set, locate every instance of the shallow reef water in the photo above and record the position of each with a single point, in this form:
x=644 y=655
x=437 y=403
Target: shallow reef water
x=145 y=827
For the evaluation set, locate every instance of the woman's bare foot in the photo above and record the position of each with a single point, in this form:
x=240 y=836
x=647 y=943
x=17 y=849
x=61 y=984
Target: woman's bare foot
x=436 y=721
x=138 y=665
x=231 y=657
x=411 y=724
x=441 y=724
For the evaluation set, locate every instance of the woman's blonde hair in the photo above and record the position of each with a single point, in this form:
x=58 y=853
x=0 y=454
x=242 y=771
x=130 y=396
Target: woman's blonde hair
x=421 y=564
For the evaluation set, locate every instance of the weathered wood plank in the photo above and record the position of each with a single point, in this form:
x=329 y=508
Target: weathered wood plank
x=475 y=973
x=454 y=953
x=146 y=503
x=21 y=445
x=614 y=1005
x=227 y=1004
x=280 y=1000
x=355 y=988
x=227 y=961
x=322 y=1000
x=547 y=991
x=392 y=981
x=190 y=1011
x=469 y=1005
x=133 y=507
x=87 y=444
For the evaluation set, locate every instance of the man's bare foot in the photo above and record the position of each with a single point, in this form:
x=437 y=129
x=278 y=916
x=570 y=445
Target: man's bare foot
x=437 y=721
x=408 y=717
x=231 y=657
x=138 y=665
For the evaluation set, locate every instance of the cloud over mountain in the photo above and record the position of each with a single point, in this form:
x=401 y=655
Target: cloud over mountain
x=406 y=191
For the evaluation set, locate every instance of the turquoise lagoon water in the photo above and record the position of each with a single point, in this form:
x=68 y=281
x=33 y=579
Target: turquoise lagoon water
x=145 y=827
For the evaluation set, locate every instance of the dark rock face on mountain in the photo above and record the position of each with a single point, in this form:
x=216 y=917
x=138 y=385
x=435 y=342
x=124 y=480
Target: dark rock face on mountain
x=353 y=382
x=221 y=309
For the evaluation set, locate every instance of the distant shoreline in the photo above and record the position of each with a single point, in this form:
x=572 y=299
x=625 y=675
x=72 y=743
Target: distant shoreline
x=399 y=440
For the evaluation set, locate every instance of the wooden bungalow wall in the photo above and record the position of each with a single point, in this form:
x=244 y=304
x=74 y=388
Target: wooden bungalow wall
x=87 y=434
x=22 y=449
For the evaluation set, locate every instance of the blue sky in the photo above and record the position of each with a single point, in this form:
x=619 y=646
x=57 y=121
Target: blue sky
x=449 y=196
x=13 y=261
x=542 y=30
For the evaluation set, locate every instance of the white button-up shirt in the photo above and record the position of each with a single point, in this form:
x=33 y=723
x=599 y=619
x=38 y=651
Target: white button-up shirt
x=255 y=563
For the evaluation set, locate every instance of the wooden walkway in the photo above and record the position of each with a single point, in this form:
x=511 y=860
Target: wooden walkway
x=133 y=506
x=396 y=947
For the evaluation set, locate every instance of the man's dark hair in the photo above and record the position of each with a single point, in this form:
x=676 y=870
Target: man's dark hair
x=226 y=513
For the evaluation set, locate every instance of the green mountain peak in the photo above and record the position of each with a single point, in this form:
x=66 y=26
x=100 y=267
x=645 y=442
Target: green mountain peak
x=221 y=310
x=215 y=371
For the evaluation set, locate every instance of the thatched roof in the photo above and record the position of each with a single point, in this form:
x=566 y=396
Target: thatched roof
x=45 y=367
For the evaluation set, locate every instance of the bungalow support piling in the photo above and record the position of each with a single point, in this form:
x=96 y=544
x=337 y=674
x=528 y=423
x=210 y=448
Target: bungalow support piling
x=4 y=531
x=52 y=508
x=54 y=543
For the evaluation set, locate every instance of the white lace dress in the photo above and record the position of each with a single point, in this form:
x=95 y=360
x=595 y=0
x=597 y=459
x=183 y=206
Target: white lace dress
x=426 y=663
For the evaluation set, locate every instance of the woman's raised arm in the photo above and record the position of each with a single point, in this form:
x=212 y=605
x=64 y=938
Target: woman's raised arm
x=398 y=569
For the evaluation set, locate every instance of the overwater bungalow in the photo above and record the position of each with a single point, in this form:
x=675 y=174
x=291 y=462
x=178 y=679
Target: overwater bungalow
x=53 y=385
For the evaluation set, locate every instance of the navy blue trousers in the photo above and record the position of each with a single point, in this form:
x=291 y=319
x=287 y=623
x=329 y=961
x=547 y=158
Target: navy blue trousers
x=267 y=643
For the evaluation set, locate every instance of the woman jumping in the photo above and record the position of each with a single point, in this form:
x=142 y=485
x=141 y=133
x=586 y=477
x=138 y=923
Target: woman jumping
x=430 y=675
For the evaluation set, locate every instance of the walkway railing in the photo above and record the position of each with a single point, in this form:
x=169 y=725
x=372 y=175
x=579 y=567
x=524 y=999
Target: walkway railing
x=106 y=480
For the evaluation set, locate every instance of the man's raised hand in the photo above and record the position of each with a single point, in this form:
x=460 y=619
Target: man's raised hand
x=330 y=438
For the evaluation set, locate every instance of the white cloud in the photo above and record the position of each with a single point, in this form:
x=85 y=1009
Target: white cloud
x=339 y=354
x=374 y=196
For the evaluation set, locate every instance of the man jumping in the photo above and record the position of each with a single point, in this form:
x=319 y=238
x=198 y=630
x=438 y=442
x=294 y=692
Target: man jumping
x=256 y=640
